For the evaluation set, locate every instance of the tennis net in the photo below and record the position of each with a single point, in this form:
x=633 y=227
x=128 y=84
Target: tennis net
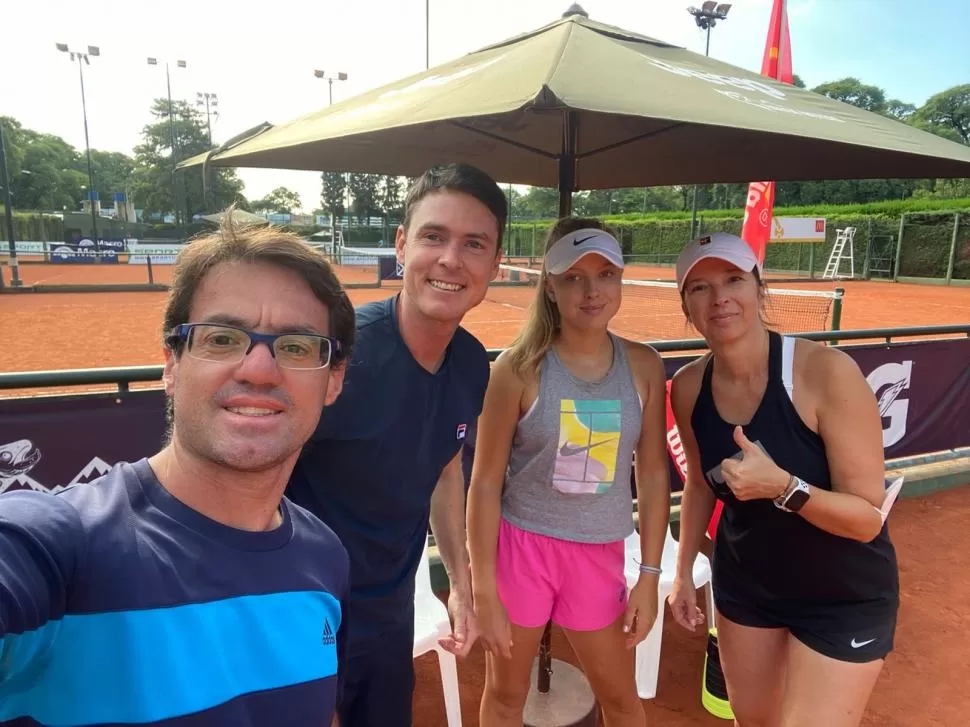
x=651 y=310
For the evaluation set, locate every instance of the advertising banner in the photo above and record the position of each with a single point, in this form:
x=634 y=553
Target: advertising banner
x=797 y=229
x=84 y=251
x=390 y=268
x=161 y=254
x=49 y=443
x=922 y=388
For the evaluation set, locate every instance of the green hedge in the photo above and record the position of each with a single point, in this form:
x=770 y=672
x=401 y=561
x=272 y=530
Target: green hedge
x=34 y=227
x=658 y=238
x=892 y=207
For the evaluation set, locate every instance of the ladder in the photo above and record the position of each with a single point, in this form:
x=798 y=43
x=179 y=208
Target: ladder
x=844 y=237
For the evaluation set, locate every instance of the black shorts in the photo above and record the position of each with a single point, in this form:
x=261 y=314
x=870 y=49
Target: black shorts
x=857 y=633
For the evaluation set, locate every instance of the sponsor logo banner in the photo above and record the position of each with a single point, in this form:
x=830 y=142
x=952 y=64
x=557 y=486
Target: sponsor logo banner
x=85 y=250
x=797 y=229
x=162 y=254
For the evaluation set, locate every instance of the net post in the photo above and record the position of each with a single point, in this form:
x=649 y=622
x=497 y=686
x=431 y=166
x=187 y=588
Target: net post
x=151 y=277
x=837 y=311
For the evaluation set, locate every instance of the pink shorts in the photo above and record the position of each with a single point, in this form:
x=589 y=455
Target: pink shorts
x=580 y=586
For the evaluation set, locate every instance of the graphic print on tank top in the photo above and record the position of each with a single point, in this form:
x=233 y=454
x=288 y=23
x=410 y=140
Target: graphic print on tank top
x=589 y=439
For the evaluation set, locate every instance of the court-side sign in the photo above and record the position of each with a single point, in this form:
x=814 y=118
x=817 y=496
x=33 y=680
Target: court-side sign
x=162 y=254
x=797 y=229
x=85 y=251
x=27 y=247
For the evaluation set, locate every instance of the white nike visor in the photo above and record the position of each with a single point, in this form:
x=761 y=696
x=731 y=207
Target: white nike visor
x=721 y=246
x=566 y=251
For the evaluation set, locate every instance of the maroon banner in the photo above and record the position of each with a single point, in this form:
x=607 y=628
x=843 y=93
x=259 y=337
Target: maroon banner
x=923 y=390
x=51 y=443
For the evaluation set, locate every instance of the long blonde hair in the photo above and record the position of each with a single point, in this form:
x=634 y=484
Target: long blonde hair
x=542 y=322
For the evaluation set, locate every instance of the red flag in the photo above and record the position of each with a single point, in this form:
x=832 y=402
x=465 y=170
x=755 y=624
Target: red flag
x=777 y=59
x=776 y=64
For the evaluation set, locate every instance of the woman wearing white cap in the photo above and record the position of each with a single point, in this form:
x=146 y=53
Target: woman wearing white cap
x=567 y=407
x=787 y=434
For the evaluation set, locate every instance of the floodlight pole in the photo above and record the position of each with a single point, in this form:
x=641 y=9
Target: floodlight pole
x=706 y=18
x=211 y=103
x=341 y=76
x=81 y=59
x=171 y=129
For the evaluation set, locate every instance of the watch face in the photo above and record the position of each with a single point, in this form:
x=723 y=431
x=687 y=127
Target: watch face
x=796 y=500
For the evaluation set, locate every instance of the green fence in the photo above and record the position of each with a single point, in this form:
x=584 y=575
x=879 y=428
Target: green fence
x=932 y=245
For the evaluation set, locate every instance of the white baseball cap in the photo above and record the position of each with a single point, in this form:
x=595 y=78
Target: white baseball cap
x=719 y=245
x=568 y=249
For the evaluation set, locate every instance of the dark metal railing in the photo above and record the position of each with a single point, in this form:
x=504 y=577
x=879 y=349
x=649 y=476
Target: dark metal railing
x=124 y=376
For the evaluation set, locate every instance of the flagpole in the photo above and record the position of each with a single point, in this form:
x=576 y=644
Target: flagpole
x=775 y=64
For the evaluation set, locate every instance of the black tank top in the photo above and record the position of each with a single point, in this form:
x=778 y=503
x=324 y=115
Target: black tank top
x=762 y=552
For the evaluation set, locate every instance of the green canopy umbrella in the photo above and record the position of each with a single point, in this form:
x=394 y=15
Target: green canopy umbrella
x=582 y=105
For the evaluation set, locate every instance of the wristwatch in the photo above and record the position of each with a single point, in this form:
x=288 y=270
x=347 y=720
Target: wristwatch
x=795 y=497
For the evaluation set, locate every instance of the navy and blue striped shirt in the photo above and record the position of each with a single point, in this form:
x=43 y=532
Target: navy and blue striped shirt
x=120 y=605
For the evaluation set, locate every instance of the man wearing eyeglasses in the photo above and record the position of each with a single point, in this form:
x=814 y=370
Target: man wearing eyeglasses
x=183 y=589
x=386 y=458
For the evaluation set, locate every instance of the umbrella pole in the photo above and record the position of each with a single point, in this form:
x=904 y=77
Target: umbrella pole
x=567 y=164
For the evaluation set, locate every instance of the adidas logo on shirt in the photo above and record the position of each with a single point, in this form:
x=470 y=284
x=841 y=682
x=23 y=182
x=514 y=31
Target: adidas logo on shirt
x=328 y=638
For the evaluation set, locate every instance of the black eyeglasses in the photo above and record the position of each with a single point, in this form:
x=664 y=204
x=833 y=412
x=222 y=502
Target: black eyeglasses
x=229 y=344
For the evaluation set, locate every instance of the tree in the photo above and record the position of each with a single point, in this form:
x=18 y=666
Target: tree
x=334 y=193
x=42 y=169
x=364 y=190
x=112 y=173
x=48 y=173
x=538 y=202
x=152 y=181
x=797 y=81
x=899 y=110
x=948 y=113
x=853 y=91
x=391 y=196
x=280 y=201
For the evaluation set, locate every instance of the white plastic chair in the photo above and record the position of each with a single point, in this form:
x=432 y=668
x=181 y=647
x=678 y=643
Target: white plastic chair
x=648 y=650
x=430 y=623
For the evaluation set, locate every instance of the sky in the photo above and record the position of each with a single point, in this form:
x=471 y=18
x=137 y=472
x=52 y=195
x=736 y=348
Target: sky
x=260 y=62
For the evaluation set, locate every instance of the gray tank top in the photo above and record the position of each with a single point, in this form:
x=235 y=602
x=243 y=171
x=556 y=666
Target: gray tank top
x=569 y=468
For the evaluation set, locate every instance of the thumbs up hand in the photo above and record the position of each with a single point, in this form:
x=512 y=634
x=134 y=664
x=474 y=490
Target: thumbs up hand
x=754 y=476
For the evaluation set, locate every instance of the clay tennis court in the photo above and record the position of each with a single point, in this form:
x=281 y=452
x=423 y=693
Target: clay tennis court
x=921 y=683
x=89 y=330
